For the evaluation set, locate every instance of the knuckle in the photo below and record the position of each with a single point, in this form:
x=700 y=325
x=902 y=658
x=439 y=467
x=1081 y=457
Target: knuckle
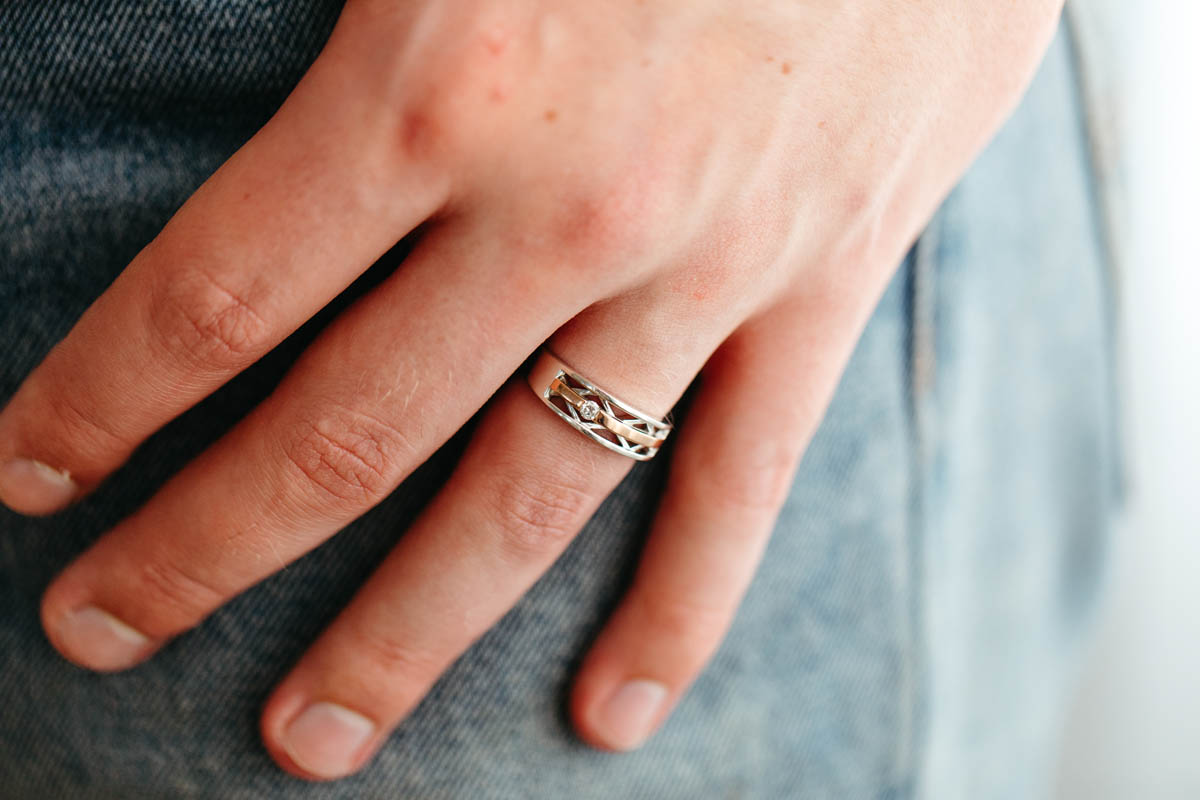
x=437 y=111
x=539 y=514
x=394 y=658
x=440 y=125
x=608 y=217
x=194 y=316
x=608 y=227
x=172 y=597
x=78 y=433
x=760 y=482
x=421 y=133
x=681 y=618
x=351 y=458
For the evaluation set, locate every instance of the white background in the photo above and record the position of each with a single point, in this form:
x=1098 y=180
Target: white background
x=1134 y=731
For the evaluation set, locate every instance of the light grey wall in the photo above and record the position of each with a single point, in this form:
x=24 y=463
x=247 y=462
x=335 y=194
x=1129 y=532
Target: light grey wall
x=1134 y=731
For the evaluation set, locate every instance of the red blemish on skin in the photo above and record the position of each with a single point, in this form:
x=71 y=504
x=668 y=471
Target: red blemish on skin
x=691 y=285
x=770 y=59
x=821 y=124
x=495 y=41
x=550 y=115
x=645 y=62
x=786 y=68
x=497 y=95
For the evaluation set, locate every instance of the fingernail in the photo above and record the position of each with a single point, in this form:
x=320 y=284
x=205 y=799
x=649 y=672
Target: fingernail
x=325 y=739
x=31 y=487
x=626 y=719
x=98 y=640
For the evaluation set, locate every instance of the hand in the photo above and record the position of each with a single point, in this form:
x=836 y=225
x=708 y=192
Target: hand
x=657 y=190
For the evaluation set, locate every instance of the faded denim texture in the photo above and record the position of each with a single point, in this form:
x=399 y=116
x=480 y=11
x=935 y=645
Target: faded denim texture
x=912 y=627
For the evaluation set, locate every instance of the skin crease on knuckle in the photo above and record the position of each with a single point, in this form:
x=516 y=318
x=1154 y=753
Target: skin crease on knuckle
x=70 y=433
x=679 y=619
x=168 y=592
x=539 y=513
x=158 y=596
x=201 y=322
x=351 y=460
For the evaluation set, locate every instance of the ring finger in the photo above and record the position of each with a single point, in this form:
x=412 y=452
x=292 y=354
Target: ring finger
x=525 y=486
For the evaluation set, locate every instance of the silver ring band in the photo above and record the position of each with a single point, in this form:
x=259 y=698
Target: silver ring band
x=594 y=412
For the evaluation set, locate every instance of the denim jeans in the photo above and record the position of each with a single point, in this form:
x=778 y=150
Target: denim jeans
x=913 y=625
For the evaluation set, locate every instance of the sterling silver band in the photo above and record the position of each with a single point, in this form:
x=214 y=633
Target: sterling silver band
x=594 y=412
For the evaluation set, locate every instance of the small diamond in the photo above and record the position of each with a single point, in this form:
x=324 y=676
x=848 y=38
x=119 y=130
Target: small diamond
x=589 y=410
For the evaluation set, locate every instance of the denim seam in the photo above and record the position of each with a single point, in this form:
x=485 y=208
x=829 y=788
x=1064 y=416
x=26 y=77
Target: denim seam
x=921 y=377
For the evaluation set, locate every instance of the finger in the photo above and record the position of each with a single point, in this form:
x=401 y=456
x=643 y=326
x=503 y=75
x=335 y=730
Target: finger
x=391 y=379
x=291 y=219
x=731 y=470
x=525 y=486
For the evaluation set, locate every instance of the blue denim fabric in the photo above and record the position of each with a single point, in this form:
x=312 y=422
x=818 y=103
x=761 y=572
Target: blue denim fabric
x=912 y=626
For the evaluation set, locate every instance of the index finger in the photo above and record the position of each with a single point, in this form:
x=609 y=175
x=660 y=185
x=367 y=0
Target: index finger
x=286 y=223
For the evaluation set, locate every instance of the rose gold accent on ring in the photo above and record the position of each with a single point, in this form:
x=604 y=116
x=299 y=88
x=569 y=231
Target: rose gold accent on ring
x=595 y=412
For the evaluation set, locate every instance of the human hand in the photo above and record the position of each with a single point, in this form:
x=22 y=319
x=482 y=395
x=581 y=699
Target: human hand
x=654 y=189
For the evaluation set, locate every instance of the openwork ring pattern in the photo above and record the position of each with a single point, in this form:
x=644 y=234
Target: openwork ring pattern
x=594 y=412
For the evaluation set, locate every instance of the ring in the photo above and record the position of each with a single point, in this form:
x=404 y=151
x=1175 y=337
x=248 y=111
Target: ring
x=594 y=412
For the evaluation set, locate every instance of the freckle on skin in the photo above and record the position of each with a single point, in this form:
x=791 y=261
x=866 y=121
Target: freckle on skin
x=786 y=68
x=645 y=62
x=770 y=59
x=551 y=115
x=821 y=124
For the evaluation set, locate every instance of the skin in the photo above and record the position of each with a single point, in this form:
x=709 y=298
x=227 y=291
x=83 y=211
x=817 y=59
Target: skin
x=657 y=190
